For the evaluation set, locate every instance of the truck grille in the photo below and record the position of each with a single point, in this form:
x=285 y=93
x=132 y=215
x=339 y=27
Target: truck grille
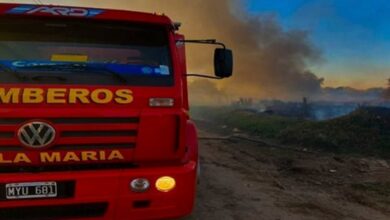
x=77 y=133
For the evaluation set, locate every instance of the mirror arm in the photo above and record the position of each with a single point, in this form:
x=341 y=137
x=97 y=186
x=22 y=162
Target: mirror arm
x=203 y=76
x=208 y=41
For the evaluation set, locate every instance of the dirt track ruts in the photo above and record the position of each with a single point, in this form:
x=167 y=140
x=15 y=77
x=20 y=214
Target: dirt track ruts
x=242 y=180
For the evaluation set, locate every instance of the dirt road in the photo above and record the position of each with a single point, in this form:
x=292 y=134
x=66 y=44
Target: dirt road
x=246 y=180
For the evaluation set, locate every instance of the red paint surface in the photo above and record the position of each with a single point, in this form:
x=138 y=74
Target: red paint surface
x=165 y=142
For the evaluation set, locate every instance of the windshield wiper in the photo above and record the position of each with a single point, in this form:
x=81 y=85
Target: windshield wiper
x=118 y=76
x=13 y=72
x=78 y=67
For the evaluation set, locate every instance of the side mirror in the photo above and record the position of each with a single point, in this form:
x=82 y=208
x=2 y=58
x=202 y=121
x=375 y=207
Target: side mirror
x=223 y=62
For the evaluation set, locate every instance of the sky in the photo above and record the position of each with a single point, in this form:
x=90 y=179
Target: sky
x=353 y=35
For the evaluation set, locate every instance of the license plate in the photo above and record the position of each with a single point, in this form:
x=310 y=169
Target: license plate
x=31 y=190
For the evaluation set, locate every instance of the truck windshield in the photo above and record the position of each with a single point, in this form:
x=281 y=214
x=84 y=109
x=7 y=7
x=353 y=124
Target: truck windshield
x=88 y=52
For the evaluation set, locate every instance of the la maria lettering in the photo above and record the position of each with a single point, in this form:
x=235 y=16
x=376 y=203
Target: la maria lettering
x=58 y=157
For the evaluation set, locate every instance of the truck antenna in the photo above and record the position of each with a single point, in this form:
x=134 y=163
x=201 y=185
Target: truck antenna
x=176 y=25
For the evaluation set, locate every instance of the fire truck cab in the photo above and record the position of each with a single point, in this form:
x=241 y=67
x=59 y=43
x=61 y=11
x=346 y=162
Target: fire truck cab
x=94 y=114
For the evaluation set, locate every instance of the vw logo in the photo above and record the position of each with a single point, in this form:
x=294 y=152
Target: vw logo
x=36 y=134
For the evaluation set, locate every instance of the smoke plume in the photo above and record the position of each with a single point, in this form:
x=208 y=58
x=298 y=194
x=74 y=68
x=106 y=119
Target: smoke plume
x=204 y=92
x=269 y=62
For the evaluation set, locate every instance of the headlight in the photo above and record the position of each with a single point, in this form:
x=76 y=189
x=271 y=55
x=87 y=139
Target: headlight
x=139 y=185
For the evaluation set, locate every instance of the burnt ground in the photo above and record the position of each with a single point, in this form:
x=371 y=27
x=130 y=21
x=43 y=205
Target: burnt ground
x=241 y=179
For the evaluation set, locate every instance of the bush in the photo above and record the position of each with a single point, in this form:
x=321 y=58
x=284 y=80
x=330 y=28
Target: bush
x=365 y=131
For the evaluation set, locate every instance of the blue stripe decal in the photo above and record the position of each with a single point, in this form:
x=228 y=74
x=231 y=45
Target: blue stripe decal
x=94 y=12
x=55 y=10
x=21 y=9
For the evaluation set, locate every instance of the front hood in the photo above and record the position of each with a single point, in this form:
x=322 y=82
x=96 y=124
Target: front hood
x=109 y=125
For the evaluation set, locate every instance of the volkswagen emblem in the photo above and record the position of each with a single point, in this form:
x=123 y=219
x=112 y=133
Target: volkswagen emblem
x=36 y=134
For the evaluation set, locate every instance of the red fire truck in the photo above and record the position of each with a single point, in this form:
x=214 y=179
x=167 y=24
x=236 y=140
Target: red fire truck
x=94 y=114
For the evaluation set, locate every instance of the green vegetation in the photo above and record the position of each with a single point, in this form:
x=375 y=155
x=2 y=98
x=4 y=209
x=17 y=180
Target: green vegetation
x=365 y=131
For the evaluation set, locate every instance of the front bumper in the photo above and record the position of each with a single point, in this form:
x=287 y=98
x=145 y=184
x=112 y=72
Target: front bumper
x=109 y=189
